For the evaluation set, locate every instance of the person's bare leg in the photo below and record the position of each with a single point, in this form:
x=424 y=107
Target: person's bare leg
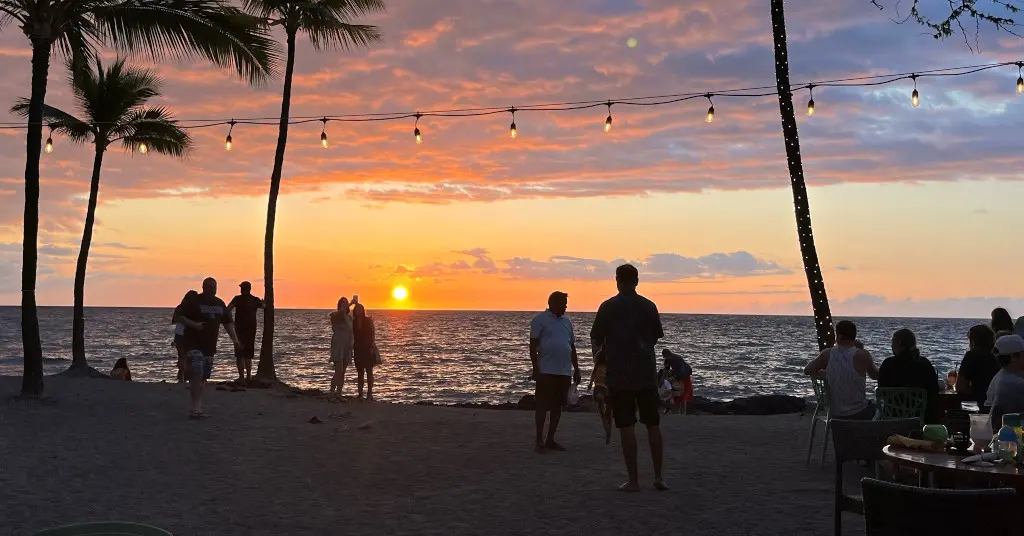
x=657 y=455
x=240 y=363
x=248 y=369
x=334 y=379
x=343 y=366
x=538 y=419
x=360 y=375
x=556 y=415
x=627 y=436
x=369 y=384
x=196 y=389
x=606 y=420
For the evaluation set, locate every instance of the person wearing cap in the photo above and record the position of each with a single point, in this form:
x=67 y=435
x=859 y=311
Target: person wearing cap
x=1006 y=392
x=553 y=356
x=245 y=306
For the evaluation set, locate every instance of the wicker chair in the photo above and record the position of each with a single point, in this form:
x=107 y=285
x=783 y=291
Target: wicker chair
x=892 y=509
x=861 y=441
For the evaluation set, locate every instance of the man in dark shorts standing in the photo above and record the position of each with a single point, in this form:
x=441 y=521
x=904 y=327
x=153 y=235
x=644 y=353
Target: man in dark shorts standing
x=553 y=354
x=245 y=306
x=201 y=344
x=626 y=329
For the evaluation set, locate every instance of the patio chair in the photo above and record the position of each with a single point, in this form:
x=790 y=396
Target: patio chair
x=105 y=528
x=821 y=413
x=901 y=403
x=861 y=441
x=895 y=509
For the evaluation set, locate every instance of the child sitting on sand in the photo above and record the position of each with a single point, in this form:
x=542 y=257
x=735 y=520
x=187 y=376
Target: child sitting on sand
x=600 y=392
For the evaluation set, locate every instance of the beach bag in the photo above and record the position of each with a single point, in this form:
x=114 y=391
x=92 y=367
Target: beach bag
x=572 y=397
x=376 y=354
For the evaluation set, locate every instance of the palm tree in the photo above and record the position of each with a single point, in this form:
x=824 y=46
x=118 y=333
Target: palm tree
x=211 y=29
x=819 y=300
x=327 y=25
x=112 y=103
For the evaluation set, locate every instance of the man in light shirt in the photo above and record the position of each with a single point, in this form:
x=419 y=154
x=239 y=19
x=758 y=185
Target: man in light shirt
x=1006 y=392
x=553 y=354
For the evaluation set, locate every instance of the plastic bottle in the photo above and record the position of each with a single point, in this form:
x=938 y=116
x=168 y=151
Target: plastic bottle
x=1006 y=444
x=1013 y=420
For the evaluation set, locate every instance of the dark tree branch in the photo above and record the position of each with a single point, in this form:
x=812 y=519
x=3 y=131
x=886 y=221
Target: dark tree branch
x=1000 y=14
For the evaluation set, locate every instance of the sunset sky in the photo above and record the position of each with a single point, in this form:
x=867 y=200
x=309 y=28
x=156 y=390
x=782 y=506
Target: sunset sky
x=916 y=211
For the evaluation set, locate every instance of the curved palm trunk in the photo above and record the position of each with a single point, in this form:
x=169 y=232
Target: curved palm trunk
x=819 y=300
x=32 y=379
x=266 y=371
x=78 y=360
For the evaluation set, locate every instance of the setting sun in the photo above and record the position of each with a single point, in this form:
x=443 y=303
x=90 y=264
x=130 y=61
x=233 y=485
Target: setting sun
x=400 y=293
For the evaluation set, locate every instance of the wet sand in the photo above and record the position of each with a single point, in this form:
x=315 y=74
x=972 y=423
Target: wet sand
x=105 y=450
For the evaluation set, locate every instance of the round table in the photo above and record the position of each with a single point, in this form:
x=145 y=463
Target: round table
x=950 y=465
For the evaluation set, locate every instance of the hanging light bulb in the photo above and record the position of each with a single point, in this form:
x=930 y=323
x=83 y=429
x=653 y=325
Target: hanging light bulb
x=711 y=110
x=810 y=103
x=1020 y=79
x=323 y=134
x=513 y=132
x=143 y=148
x=49 y=145
x=608 y=121
x=416 y=129
x=915 y=97
x=227 y=140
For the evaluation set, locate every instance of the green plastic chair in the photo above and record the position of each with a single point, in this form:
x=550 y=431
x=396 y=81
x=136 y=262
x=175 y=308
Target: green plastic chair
x=900 y=403
x=105 y=528
x=822 y=413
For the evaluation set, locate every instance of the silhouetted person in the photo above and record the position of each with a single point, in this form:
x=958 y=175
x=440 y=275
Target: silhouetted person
x=364 y=349
x=908 y=368
x=1002 y=322
x=1006 y=392
x=245 y=306
x=179 y=333
x=845 y=368
x=208 y=313
x=625 y=331
x=120 y=370
x=553 y=356
x=341 y=345
x=978 y=367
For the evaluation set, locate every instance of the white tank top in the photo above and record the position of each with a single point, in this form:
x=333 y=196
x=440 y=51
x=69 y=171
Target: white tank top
x=847 y=388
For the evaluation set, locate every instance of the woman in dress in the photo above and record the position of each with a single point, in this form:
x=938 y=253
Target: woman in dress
x=365 y=349
x=341 y=345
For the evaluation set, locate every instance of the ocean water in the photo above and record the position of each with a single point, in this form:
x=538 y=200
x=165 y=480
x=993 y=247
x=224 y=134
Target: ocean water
x=470 y=356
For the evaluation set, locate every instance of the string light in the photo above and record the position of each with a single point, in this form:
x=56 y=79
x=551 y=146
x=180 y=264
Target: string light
x=227 y=140
x=915 y=97
x=143 y=148
x=416 y=130
x=810 y=103
x=711 y=110
x=49 y=142
x=323 y=134
x=1020 y=78
x=513 y=132
x=608 y=121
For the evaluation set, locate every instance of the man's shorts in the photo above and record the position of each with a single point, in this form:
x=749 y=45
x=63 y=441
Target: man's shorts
x=627 y=404
x=201 y=362
x=551 y=391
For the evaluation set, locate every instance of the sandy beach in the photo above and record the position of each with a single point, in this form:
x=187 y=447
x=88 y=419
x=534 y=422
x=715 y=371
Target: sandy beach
x=105 y=450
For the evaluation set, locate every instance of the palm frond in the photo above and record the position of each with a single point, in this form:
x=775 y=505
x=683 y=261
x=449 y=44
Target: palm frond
x=157 y=129
x=327 y=23
x=61 y=122
x=212 y=29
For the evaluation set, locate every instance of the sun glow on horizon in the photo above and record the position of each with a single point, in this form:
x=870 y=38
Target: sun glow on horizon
x=400 y=293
